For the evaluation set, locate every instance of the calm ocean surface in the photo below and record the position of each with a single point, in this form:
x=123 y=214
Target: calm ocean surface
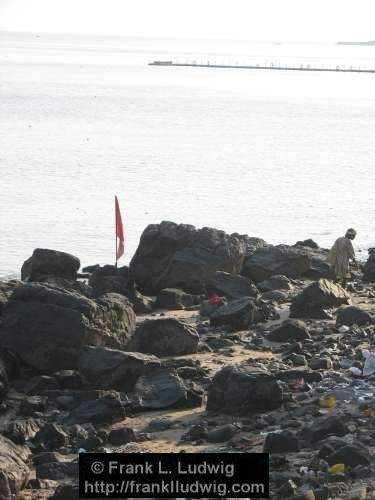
x=279 y=155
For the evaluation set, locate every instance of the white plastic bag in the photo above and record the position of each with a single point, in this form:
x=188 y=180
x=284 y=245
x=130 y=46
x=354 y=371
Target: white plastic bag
x=369 y=367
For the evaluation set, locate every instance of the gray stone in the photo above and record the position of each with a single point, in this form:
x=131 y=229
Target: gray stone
x=317 y=300
x=165 y=337
x=232 y=286
x=242 y=390
x=163 y=389
x=238 y=314
x=353 y=315
x=50 y=263
x=290 y=330
x=47 y=326
x=104 y=368
x=180 y=256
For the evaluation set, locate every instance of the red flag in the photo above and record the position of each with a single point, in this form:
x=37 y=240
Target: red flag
x=119 y=232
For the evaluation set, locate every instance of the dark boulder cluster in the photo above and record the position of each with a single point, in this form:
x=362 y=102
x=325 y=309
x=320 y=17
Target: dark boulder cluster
x=206 y=342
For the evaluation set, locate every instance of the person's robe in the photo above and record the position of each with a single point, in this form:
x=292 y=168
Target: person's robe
x=339 y=257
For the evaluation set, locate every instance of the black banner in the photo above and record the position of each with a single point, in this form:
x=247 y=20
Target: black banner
x=173 y=475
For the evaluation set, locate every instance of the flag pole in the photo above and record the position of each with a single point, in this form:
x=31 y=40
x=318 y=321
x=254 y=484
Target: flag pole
x=115 y=236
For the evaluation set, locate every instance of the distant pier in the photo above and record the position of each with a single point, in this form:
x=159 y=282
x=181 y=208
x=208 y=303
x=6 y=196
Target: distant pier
x=307 y=67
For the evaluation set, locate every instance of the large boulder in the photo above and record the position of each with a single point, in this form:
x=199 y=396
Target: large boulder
x=103 y=368
x=353 y=315
x=291 y=261
x=165 y=337
x=369 y=267
x=232 y=286
x=239 y=314
x=50 y=263
x=173 y=255
x=163 y=389
x=241 y=390
x=14 y=472
x=289 y=330
x=48 y=326
x=271 y=260
x=317 y=300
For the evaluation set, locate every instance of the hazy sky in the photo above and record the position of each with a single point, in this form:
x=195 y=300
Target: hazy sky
x=305 y=20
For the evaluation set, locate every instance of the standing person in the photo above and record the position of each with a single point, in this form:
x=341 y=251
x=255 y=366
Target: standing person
x=340 y=255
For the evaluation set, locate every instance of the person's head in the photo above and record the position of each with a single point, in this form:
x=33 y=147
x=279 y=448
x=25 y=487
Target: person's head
x=351 y=234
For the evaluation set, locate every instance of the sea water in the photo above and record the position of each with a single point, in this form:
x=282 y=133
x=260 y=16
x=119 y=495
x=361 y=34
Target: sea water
x=280 y=155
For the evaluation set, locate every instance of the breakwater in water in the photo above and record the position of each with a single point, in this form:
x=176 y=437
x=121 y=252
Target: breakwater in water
x=271 y=66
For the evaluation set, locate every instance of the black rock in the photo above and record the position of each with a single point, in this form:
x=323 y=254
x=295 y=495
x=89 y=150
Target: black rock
x=275 y=296
x=308 y=375
x=66 y=492
x=271 y=260
x=165 y=337
x=121 y=436
x=41 y=383
x=104 y=368
x=175 y=299
x=320 y=364
x=33 y=404
x=353 y=315
x=281 y=442
x=238 y=314
x=277 y=282
x=351 y=455
x=105 y=410
x=323 y=427
x=307 y=243
x=180 y=256
x=241 y=390
x=4 y=383
x=51 y=437
x=47 y=326
x=69 y=379
x=232 y=286
x=50 y=263
x=369 y=268
x=290 y=330
x=58 y=471
x=197 y=432
x=318 y=299
x=221 y=434
x=164 y=389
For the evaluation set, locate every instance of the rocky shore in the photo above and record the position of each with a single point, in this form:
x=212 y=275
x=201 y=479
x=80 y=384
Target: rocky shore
x=139 y=359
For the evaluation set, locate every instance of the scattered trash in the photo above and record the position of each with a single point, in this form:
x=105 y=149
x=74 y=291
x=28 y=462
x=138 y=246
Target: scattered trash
x=337 y=469
x=356 y=372
x=344 y=329
x=328 y=402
